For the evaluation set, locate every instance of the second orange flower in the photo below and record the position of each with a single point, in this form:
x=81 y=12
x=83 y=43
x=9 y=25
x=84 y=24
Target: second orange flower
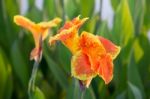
x=92 y=55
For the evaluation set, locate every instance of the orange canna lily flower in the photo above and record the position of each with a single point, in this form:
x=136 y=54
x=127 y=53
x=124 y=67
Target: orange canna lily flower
x=39 y=32
x=92 y=55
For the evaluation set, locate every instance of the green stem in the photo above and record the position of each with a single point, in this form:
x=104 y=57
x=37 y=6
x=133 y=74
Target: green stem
x=75 y=88
x=82 y=94
x=31 y=86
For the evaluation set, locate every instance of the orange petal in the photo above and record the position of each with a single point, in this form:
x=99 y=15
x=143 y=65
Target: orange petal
x=45 y=34
x=36 y=54
x=45 y=26
x=110 y=47
x=81 y=67
x=50 y=24
x=91 y=45
x=68 y=37
x=25 y=23
x=68 y=34
x=79 y=22
x=29 y=25
x=105 y=69
x=76 y=22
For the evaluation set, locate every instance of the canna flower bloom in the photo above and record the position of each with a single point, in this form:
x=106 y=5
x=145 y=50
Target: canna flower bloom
x=39 y=32
x=92 y=55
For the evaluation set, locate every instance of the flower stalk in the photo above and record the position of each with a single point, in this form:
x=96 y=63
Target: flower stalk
x=31 y=85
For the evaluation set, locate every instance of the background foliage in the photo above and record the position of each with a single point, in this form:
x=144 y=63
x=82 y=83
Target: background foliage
x=130 y=30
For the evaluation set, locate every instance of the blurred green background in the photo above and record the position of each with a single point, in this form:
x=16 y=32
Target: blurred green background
x=130 y=29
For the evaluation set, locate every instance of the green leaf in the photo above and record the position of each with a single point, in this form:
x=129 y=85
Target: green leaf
x=122 y=95
x=59 y=6
x=6 y=77
x=123 y=25
x=70 y=90
x=14 y=9
x=71 y=8
x=8 y=85
x=132 y=4
x=64 y=56
x=8 y=30
x=3 y=73
x=2 y=25
x=126 y=50
x=87 y=7
x=50 y=8
x=99 y=86
x=55 y=69
x=138 y=52
x=35 y=14
x=137 y=8
x=147 y=15
x=88 y=94
x=48 y=90
x=31 y=3
x=115 y=4
x=103 y=29
x=133 y=76
x=20 y=66
x=144 y=62
x=37 y=94
x=91 y=23
x=135 y=90
x=73 y=91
